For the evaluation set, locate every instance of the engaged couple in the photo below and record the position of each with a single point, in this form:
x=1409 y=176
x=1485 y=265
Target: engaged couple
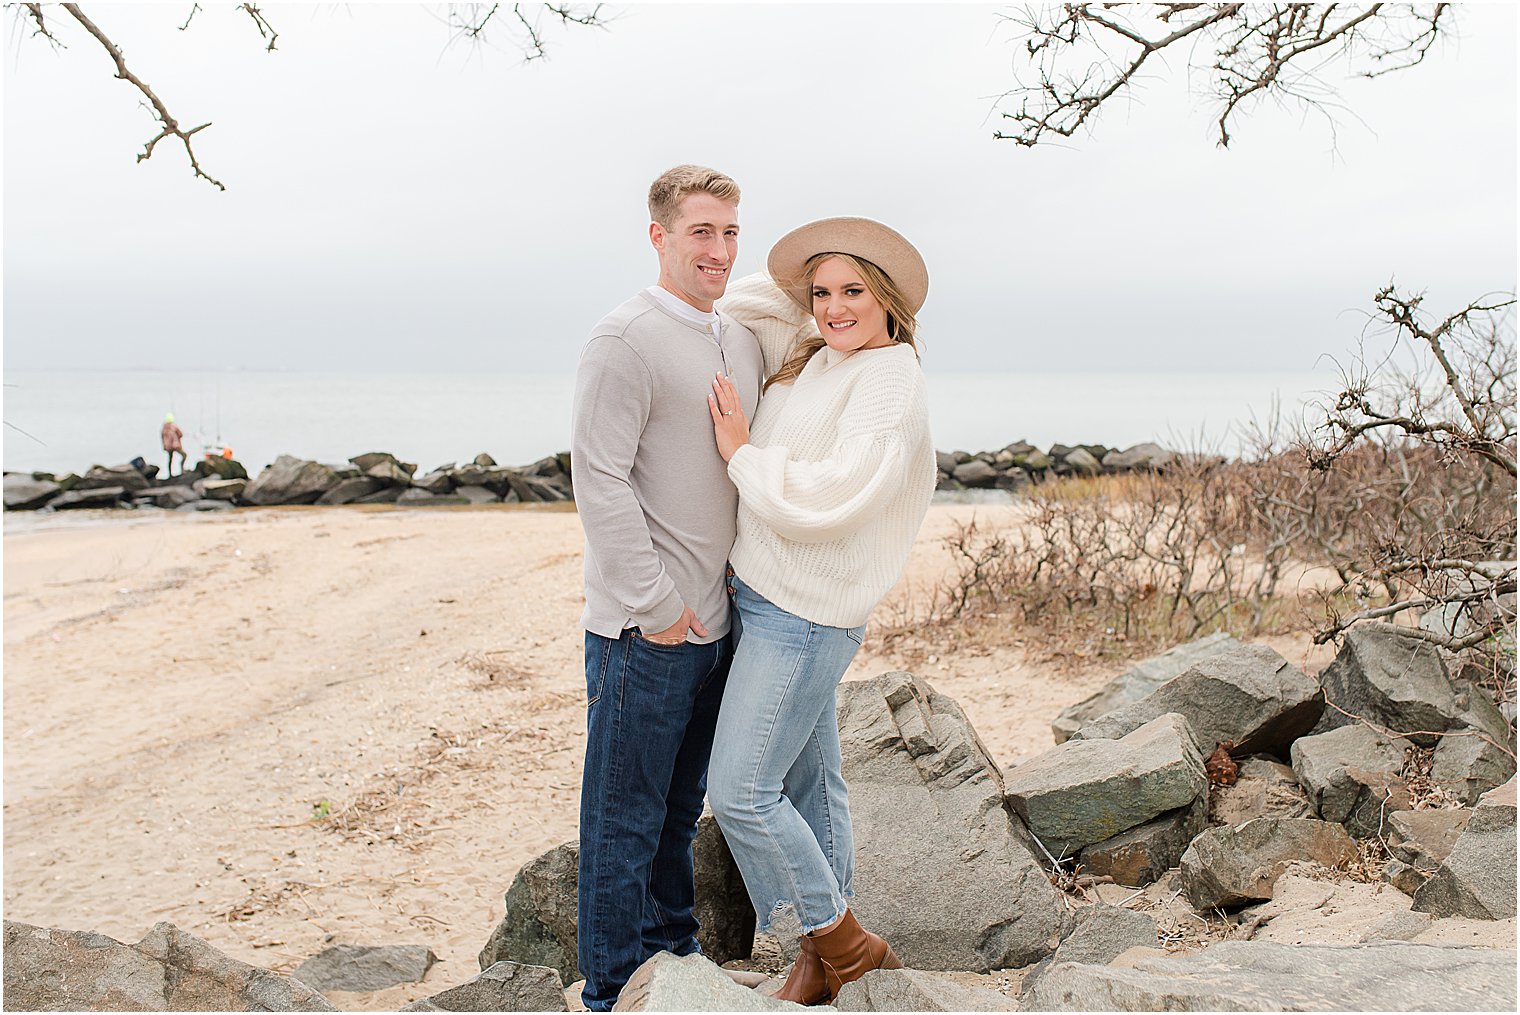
x=752 y=462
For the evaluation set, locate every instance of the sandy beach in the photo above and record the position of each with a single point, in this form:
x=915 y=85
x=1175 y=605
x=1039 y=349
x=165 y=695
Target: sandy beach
x=183 y=694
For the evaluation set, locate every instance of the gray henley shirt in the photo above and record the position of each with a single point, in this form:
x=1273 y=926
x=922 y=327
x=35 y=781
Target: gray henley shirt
x=653 y=494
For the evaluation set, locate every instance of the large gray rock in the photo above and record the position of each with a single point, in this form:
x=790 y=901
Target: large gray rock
x=168 y=497
x=1146 y=457
x=436 y=481
x=942 y=870
x=915 y=990
x=1248 y=694
x=347 y=491
x=1139 y=680
x=1081 y=462
x=1265 y=976
x=168 y=970
x=1263 y=789
x=1101 y=934
x=505 y=986
x=291 y=480
x=1478 y=877
x=1232 y=865
x=539 y=925
x=1469 y=766
x=1086 y=791
x=220 y=468
x=221 y=489
x=384 y=465
x=23 y=493
x=975 y=473
x=477 y=495
x=1402 y=684
x=1144 y=853
x=1423 y=839
x=101 y=476
x=94 y=497
x=1351 y=776
x=693 y=983
x=365 y=967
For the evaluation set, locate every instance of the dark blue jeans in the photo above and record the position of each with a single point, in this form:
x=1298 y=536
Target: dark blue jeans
x=651 y=711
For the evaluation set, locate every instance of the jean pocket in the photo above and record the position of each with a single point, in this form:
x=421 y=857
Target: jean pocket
x=856 y=634
x=596 y=673
x=640 y=638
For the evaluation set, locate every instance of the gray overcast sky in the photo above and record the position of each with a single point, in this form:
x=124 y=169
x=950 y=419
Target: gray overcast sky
x=397 y=203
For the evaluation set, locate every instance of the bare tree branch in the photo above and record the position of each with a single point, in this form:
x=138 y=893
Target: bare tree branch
x=1066 y=73
x=170 y=125
x=266 y=30
x=35 y=10
x=194 y=10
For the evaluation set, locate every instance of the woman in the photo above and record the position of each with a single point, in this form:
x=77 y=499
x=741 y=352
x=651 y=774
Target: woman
x=834 y=481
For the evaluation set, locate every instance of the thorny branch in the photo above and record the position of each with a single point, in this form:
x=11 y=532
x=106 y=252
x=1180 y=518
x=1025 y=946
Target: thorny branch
x=1067 y=68
x=194 y=10
x=469 y=21
x=171 y=127
x=35 y=10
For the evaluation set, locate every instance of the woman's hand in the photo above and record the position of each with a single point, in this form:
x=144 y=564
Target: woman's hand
x=729 y=424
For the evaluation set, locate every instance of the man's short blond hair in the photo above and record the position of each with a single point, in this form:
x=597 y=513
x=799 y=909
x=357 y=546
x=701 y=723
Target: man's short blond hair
x=667 y=192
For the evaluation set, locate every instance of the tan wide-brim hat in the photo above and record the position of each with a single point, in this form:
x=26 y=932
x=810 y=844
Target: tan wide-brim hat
x=882 y=245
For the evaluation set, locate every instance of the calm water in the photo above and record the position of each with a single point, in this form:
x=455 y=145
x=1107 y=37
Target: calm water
x=62 y=421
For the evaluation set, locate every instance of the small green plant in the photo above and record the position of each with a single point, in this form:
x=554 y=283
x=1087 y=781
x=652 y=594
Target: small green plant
x=320 y=810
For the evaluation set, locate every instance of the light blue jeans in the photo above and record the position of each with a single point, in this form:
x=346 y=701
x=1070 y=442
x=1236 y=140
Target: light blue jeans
x=774 y=781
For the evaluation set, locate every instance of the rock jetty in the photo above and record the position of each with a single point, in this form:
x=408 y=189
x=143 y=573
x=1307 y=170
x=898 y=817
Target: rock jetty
x=379 y=477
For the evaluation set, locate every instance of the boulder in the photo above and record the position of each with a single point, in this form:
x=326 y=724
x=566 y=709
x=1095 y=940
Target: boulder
x=477 y=495
x=1080 y=462
x=1033 y=460
x=207 y=505
x=291 y=480
x=1144 y=853
x=220 y=468
x=1086 y=791
x=1477 y=879
x=23 y=493
x=975 y=473
x=1144 y=457
x=550 y=490
x=1101 y=934
x=389 y=465
x=126 y=477
x=915 y=990
x=504 y=986
x=1469 y=766
x=945 y=462
x=693 y=983
x=365 y=967
x=925 y=798
x=1351 y=776
x=347 y=491
x=484 y=459
x=1139 y=680
x=1263 y=789
x=539 y=925
x=384 y=495
x=1266 y=976
x=1306 y=910
x=95 y=497
x=221 y=489
x=168 y=496
x=1423 y=839
x=1248 y=694
x=477 y=475
x=168 y=970
x=1398 y=682
x=437 y=481
x=1235 y=864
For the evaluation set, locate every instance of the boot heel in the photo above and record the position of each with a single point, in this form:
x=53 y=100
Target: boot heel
x=890 y=960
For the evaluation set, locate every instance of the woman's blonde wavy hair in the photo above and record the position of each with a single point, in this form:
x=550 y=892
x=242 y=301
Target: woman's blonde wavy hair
x=901 y=323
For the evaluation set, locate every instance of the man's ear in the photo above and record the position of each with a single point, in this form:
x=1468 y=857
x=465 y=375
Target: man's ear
x=657 y=236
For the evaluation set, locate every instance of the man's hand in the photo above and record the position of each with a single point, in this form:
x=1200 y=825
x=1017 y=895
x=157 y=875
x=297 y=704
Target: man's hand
x=675 y=634
x=729 y=424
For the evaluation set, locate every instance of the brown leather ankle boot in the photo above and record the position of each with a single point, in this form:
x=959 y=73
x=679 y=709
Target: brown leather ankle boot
x=805 y=983
x=848 y=952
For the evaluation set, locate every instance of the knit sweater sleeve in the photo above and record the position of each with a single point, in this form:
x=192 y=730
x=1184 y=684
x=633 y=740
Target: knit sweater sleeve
x=830 y=498
x=613 y=392
x=776 y=320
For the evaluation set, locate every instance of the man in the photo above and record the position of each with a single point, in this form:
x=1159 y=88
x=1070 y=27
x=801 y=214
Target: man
x=172 y=438
x=659 y=515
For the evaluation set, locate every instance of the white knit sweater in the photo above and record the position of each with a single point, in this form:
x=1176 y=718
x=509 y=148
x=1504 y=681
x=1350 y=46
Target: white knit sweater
x=839 y=472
